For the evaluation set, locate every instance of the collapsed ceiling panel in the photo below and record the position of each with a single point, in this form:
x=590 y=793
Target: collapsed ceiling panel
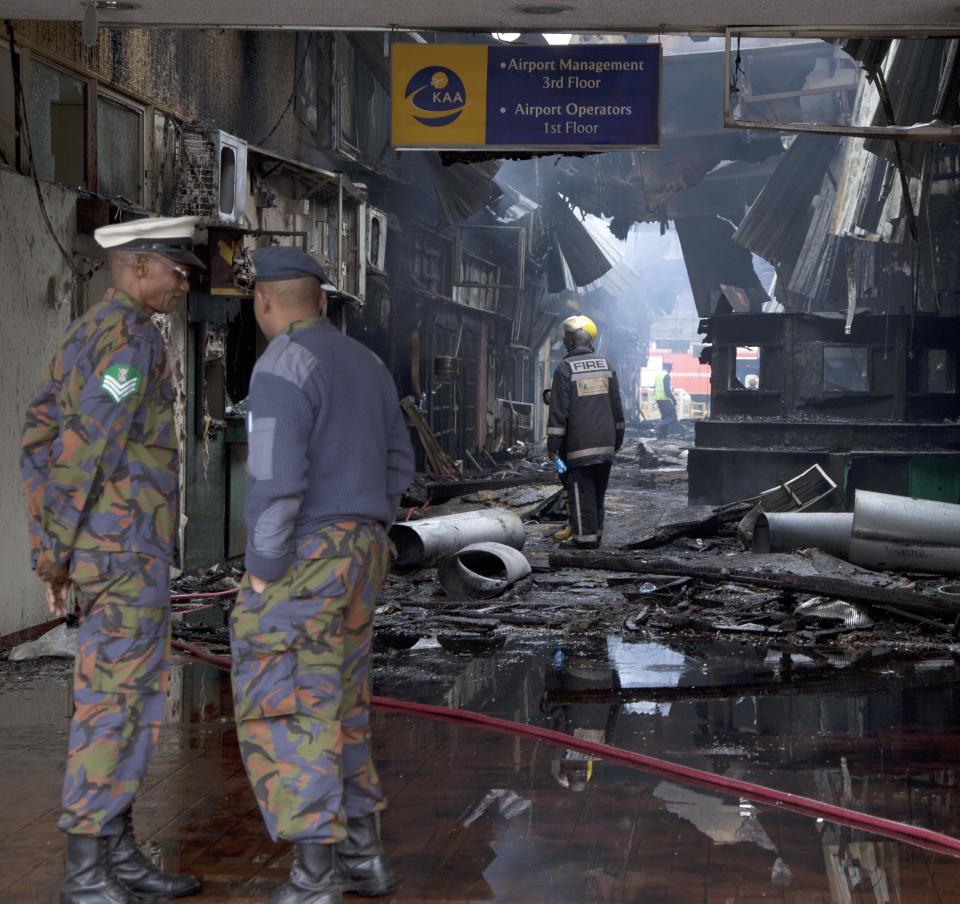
x=586 y=262
x=776 y=224
x=459 y=190
x=713 y=259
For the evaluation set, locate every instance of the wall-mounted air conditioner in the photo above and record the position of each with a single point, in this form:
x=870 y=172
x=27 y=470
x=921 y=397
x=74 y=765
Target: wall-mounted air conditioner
x=230 y=171
x=376 y=243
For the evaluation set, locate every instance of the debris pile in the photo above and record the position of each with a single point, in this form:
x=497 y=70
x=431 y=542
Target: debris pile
x=460 y=580
x=58 y=643
x=683 y=571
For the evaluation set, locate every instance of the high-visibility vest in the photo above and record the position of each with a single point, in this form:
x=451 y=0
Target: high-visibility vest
x=660 y=393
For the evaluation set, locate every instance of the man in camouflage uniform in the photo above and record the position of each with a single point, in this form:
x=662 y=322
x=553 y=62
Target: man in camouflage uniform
x=329 y=457
x=100 y=467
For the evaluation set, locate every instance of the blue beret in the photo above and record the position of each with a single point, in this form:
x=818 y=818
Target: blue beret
x=283 y=262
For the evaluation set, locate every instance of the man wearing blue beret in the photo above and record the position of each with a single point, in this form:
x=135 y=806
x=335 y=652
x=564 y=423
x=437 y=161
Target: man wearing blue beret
x=329 y=457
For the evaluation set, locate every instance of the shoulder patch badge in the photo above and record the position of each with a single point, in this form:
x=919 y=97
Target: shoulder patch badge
x=120 y=382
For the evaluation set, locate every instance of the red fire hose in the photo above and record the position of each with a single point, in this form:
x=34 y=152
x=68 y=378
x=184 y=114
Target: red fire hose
x=889 y=828
x=210 y=595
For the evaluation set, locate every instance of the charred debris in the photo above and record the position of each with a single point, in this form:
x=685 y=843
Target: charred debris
x=671 y=573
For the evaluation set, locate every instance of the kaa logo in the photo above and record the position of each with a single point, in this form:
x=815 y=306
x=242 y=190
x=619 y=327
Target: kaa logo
x=436 y=96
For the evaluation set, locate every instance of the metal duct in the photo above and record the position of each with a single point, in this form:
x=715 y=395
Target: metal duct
x=421 y=544
x=783 y=531
x=885 y=532
x=882 y=555
x=897 y=532
x=880 y=516
x=482 y=570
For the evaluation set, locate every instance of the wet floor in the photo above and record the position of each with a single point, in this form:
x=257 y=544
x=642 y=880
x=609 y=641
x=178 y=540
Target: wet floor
x=878 y=733
x=480 y=816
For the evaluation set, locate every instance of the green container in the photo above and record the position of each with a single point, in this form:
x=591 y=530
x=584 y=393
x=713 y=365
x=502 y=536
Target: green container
x=935 y=479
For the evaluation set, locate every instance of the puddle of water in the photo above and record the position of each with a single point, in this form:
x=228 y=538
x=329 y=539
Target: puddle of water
x=881 y=735
x=481 y=816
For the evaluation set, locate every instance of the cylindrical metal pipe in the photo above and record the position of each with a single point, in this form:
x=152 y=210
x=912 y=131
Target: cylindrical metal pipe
x=900 y=533
x=783 y=531
x=482 y=570
x=880 y=516
x=887 y=555
x=421 y=544
x=884 y=532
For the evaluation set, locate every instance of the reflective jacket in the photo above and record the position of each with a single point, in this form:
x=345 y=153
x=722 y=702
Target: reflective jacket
x=662 y=390
x=585 y=425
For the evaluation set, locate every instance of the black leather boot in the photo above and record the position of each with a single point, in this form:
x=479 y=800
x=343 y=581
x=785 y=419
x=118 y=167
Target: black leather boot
x=361 y=860
x=134 y=870
x=313 y=877
x=88 y=877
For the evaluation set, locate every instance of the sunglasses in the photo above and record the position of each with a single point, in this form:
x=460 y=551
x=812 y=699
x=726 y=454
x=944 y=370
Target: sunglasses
x=181 y=271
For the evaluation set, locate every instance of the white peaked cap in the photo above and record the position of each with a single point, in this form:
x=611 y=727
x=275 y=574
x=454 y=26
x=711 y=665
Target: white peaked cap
x=170 y=236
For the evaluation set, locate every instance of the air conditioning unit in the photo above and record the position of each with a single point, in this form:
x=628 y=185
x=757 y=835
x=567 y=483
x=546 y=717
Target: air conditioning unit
x=376 y=243
x=230 y=170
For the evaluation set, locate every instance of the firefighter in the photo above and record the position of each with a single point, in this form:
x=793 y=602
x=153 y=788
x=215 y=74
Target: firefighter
x=585 y=428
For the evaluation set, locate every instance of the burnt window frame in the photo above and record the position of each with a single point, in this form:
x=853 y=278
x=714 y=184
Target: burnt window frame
x=88 y=165
x=19 y=139
x=844 y=346
x=734 y=379
x=94 y=88
x=357 y=112
x=739 y=65
x=140 y=110
x=442 y=253
x=921 y=378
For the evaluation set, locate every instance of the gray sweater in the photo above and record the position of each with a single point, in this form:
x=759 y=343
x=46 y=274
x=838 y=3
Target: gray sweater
x=327 y=442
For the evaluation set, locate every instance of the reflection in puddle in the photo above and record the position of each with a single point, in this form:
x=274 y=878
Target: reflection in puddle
x=482 y=816
x=723 y=823
x=880 y=733
x=198 y=693
x=861 y=867
x=508 y=803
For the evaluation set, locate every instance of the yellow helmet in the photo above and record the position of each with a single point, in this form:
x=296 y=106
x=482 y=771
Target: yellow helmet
x=580 y=322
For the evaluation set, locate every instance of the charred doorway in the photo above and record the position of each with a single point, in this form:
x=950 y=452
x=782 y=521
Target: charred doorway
x=223 y=345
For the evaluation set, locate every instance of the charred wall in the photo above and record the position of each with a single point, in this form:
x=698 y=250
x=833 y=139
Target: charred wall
x=39 y=294
x=237 y=81
x=877 y=408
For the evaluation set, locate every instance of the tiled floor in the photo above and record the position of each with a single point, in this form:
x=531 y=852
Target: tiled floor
x=475 y=816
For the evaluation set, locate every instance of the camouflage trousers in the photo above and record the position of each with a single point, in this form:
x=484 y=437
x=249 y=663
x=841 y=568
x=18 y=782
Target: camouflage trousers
x=120 y=684
x=301 y=657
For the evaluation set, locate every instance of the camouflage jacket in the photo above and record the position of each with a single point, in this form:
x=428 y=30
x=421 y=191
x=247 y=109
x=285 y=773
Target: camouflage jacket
x=99 y=457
